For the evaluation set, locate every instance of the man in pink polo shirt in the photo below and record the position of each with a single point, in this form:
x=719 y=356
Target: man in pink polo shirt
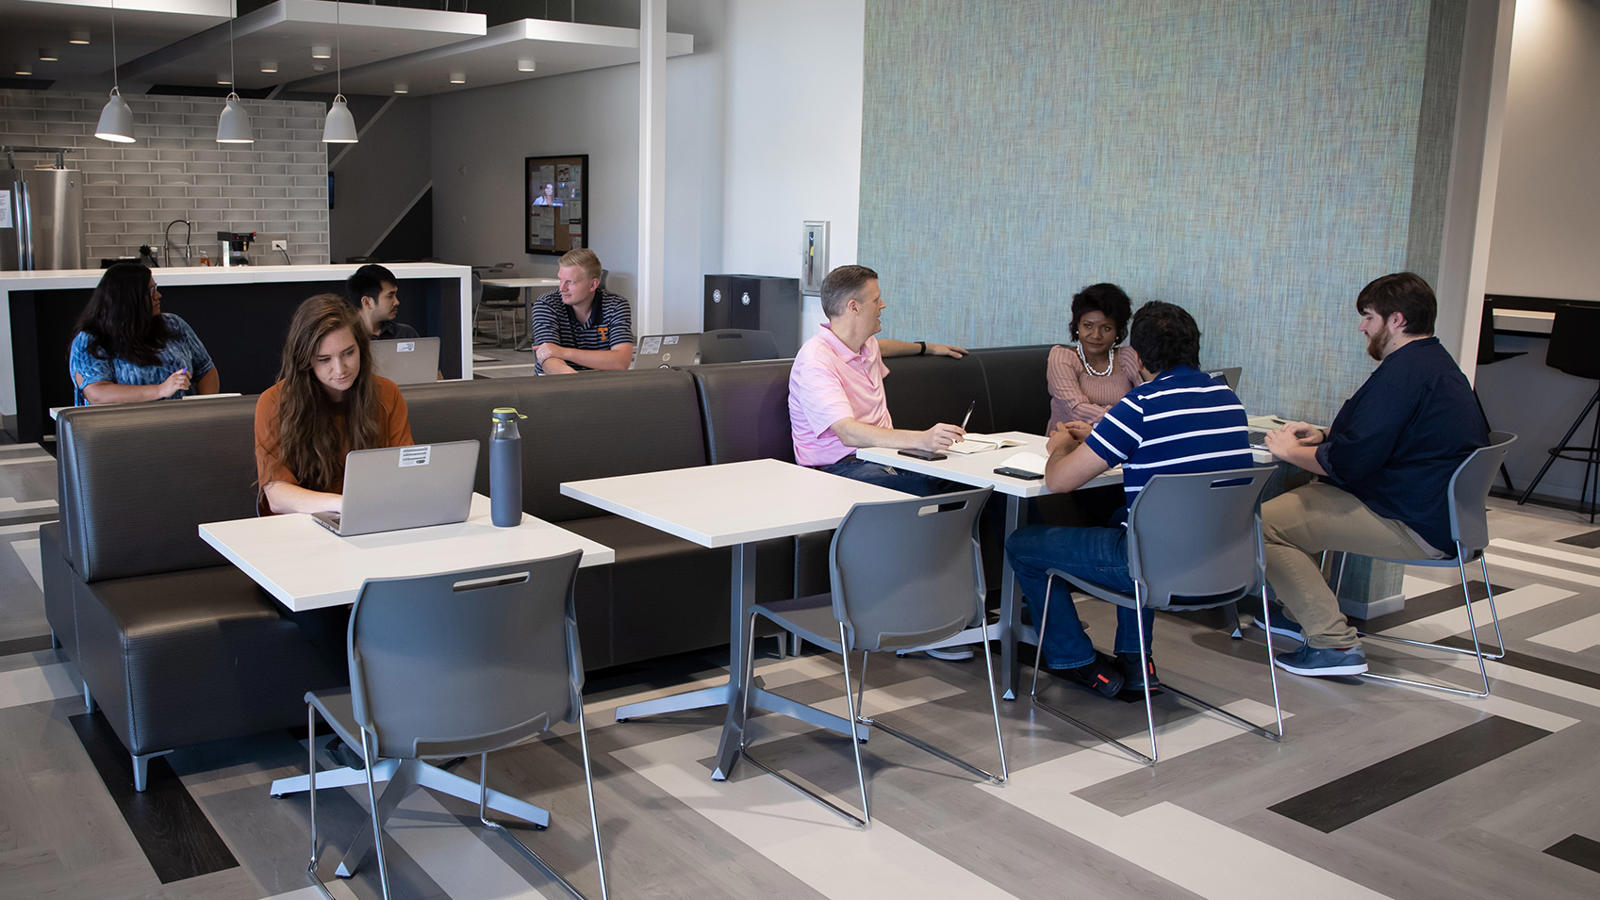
x=836 y=398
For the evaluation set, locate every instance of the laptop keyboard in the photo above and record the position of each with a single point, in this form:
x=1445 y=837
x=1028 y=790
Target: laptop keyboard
x=1258 y=439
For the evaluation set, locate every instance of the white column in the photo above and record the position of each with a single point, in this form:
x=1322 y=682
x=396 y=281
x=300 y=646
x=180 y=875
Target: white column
x=650 y=305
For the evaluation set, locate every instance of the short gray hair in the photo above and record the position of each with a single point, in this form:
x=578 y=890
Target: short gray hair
x=842 y=284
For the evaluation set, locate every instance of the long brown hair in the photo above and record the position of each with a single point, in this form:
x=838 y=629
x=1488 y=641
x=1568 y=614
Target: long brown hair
x=315 y=432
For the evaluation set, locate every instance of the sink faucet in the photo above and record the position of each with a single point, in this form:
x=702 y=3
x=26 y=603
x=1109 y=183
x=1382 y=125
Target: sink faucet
x=166 y=250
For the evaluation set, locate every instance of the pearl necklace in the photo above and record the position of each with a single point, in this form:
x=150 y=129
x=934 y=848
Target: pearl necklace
x=1111 y=363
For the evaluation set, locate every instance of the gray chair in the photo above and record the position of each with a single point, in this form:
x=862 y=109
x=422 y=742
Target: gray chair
x=904 y=573
x=737 y=345
x=1469 y=529
x=455 y=664
x=1194 y=542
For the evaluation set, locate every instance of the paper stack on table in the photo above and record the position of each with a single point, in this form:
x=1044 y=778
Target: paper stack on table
x=978 y=443
x=1027 y=462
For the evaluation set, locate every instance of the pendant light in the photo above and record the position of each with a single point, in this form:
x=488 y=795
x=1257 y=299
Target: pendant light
x=116 y=120
x=233 y=126
x=341 y=126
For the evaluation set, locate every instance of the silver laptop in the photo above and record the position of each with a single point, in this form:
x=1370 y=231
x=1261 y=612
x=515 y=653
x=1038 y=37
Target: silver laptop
x=408 y=361
x=405 y=487
x=1230 y=375
x=664 y=351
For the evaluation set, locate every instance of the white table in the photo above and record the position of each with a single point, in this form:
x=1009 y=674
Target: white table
x=305 y=566
x=977 y=470
x=732 y=505
x=526 y=284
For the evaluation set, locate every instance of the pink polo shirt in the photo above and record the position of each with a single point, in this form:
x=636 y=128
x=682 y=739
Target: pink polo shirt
x=830 y=382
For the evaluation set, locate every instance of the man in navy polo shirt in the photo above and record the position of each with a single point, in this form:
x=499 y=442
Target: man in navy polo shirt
x=581 y=325
x=1179 y=421
x=1385 y=463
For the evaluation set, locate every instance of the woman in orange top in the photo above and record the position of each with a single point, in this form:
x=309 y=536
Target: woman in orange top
x=327 y=402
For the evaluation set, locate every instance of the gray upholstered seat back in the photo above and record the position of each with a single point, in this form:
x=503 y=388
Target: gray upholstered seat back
x=137 y=481
x=746 y=410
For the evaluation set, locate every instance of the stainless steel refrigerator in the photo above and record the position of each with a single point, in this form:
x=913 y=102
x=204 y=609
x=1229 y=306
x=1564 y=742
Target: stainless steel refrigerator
x=41 y=214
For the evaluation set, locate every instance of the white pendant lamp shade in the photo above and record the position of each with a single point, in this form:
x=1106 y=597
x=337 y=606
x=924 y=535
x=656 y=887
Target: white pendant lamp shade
x=341 y=126
x=234 y=126
x=116 y=120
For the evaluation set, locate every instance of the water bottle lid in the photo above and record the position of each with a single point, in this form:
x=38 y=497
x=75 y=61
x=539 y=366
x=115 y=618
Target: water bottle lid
x=506 y=413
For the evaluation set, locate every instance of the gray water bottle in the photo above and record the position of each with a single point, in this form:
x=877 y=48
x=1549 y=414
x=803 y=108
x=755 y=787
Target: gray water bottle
x=505 y=469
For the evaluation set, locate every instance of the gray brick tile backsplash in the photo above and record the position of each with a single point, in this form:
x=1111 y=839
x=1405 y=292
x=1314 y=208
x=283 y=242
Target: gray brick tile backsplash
x=277 y=187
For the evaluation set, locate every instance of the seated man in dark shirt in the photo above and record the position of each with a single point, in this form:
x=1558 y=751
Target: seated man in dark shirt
x=375 y=294
x=1385 y=464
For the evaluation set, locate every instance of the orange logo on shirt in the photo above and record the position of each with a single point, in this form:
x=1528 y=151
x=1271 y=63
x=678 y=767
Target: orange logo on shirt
x=602 y=332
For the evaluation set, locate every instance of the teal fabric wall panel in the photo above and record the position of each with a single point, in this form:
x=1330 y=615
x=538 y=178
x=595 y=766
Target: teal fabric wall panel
x=1256 y=162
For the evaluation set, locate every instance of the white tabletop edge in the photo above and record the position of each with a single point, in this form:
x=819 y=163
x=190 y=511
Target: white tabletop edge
x=569 y=489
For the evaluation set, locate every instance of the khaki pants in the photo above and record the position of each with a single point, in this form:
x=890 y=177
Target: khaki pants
x=1309 y=520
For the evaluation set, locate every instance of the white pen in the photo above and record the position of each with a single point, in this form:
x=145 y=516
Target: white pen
x=970 y=407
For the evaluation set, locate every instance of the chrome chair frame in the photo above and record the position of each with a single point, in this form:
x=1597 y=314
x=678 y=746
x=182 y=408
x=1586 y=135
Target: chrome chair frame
x=1140 y=601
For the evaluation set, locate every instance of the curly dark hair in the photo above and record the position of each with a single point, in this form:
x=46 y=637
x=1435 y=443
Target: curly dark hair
x=1165 y=336
x=120 y=320
x=1105 y=298
x=1405 y=293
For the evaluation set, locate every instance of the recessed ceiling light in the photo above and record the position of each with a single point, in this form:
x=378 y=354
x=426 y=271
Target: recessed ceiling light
x=458 y=78
x=269 y=67
x=320 y=52
x=401 y=89
x=24 y=69
x=48 y=55
x=80 y=36
x=525 y=65
x=222 y=78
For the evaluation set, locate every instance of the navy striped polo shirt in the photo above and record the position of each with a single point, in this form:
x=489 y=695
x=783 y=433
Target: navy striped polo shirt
x=610 y=323
x=1184 y=421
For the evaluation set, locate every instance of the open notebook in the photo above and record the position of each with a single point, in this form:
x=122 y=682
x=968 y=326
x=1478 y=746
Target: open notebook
x=978 y=443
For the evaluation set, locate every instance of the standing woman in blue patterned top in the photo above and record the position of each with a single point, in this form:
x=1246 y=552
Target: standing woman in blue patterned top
x=127 y=350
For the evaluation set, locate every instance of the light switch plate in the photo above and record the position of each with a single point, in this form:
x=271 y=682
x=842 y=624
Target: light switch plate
x=813 y=257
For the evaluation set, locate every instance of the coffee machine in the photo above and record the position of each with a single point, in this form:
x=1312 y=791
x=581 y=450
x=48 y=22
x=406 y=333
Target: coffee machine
x=235 y=247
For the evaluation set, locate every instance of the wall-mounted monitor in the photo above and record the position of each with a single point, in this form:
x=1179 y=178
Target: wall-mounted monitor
x=557 y=195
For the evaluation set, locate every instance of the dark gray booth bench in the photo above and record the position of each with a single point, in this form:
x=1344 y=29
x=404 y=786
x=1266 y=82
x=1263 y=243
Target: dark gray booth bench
x=178 y=647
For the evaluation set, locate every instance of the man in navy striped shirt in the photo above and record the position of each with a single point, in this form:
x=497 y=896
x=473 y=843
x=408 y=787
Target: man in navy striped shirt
x=1179 y=421
x=581 y=325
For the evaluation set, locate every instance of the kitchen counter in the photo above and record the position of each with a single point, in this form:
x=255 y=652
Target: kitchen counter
x=240 y=312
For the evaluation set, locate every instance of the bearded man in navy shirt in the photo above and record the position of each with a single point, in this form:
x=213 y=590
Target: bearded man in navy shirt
x=1385 y=463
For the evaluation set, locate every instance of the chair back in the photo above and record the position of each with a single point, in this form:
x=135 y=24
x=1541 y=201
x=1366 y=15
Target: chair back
x=1194 y=541
x=737 y=345
x=1573 y=337
x=908 y=572
x=466 y=662
x=1469 y=494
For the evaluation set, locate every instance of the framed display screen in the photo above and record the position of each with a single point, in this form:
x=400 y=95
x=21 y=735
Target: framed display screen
x=556 y=192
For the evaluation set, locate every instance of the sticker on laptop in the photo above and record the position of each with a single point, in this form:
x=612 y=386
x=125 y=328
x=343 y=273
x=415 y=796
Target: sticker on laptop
x=650 y=346
x=415 y=456
x=405 y=346
x=670 y=339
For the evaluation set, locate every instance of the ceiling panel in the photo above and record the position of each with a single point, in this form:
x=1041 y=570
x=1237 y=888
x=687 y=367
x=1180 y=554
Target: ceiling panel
x=284 y=32
x=554 y=48
x=143 y=26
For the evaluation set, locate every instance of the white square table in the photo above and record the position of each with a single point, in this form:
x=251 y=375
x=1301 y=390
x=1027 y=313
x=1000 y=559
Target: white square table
x=526 y=284
x=977 y=470
x=305 y=566
x=732 y=505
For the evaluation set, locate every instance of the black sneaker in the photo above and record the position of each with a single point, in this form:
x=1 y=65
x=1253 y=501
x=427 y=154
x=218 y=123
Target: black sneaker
x=1282 y=625
x=345 y=755
x=1100 y=676
x=1132 y=678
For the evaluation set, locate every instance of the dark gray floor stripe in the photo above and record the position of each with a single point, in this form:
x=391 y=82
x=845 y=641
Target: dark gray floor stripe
x=175 y=835
x=1589 y=539
x=1577 y=850
x=1360 y=794
x=27 y=644
x=1431 y=603
x=1532 y=663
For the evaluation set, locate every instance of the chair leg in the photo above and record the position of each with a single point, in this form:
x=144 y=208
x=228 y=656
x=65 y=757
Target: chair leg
x=369 y=755
x=994 y=705
x=1555 y=453
x=536 y=859
x=311 y=772
x=855 y=717
x=1472 y=628
x=1144 y=666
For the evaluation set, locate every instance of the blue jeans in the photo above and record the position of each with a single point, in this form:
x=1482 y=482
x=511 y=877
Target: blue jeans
x=1099 y=555
x=885 y=476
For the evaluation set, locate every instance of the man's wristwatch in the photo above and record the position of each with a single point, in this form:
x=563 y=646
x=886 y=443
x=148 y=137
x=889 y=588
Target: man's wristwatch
x=924 y=348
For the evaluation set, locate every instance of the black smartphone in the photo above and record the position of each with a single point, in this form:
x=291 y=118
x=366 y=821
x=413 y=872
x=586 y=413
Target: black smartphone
x=923 y=454
x=1024 y=474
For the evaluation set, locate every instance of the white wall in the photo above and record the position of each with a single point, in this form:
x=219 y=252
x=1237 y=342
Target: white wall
x=1547 y=210
x=480 y=137
x=793 y=123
